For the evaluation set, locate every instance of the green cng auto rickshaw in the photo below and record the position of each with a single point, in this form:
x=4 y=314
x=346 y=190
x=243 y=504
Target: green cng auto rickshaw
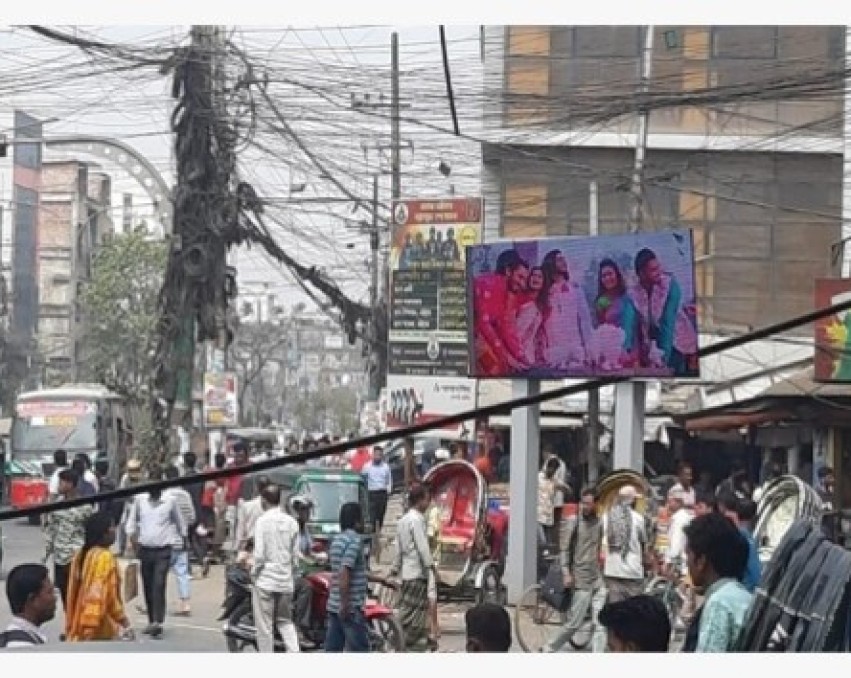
x=328 y=488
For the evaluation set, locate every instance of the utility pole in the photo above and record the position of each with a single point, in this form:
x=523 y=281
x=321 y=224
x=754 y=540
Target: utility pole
x=375 y=376
x=636 y=216
x=594 y=393
x=395 y=129
x=194 y=292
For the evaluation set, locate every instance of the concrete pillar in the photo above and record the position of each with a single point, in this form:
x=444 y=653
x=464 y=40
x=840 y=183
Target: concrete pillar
x=793 y=459
x=520 y=569
x=629 y=426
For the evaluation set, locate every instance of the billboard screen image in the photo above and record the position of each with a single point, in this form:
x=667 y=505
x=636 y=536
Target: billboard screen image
x=614 y=305
x=833 y=339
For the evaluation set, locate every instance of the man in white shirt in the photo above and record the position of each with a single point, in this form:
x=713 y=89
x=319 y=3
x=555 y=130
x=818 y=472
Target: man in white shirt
x=32 y=601
x=151 y=527
x=60 y=462
x=685 y=484
x=414 y=562
x=559 y=497
x=275 y=559
x=249 y=512
x=675 y=554
x=626 y=541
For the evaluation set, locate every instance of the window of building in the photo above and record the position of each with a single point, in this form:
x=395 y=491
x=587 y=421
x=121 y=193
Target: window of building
x=525 y=211
x=607 y=41
x=744 y=42
x=527 y=74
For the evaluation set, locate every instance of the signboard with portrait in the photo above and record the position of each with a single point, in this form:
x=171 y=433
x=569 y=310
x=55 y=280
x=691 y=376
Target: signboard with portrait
x=832 y=360
x=428 y=303
x=221 y=409
x=619 y=305
x=428 y=353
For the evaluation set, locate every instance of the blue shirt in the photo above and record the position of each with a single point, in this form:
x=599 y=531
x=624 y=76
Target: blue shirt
x=723 y=616
x=378 y=477
x=347 y=551
x=753 y=570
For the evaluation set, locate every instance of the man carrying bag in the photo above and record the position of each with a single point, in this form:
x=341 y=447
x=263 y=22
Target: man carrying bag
x=580 y=569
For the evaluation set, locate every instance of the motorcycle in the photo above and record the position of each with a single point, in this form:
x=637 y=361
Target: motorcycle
x=385 y=631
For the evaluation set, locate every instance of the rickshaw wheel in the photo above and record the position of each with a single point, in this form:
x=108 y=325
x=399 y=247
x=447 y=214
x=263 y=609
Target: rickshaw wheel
x=535 y=620
x=387 y=635
x=491 y=590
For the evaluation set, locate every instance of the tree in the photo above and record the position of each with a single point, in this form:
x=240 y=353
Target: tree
x=329 y=410
x=257 y=348
x=120 y=312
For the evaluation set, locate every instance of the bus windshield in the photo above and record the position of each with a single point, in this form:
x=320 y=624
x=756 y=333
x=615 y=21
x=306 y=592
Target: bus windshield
x=45 y=426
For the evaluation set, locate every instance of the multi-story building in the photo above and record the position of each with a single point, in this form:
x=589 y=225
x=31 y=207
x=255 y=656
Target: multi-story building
x=744 y=146
x=749 y=156
x=74 y=217
x=53 y=214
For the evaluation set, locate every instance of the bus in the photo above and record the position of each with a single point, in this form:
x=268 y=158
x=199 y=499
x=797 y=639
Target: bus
x=87 y=418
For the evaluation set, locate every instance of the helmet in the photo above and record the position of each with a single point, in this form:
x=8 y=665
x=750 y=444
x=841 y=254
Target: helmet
x=300 y=501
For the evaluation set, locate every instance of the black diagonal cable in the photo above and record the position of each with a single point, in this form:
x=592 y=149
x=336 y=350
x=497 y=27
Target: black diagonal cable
x=446 y=74
x=443 y=422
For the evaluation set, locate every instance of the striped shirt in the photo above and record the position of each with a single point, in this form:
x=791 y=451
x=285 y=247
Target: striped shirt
x=187 y=511
x=347 y=551
x=65 y=533
x=275 y=551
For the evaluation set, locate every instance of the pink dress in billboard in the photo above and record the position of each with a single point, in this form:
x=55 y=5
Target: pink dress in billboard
x=528 y=321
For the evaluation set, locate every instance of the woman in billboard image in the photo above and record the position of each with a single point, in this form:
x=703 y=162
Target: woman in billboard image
x=530 y=317
x=567 y=328
x=667 y=335
x=613 y=308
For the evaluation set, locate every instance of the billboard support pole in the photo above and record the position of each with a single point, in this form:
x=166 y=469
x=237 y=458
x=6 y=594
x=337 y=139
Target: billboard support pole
x=520 y=570
x=594 y=393
x=630 y=396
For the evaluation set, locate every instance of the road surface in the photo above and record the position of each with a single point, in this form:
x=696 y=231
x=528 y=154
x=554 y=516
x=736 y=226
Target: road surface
x=198 y=633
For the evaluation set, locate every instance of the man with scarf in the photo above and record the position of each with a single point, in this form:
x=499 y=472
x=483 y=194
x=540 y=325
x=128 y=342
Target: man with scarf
x=626 y=542
x=413 y=562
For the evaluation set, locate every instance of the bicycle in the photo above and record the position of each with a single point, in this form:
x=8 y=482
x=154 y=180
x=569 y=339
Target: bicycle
x=536 y=620
x=669 y=591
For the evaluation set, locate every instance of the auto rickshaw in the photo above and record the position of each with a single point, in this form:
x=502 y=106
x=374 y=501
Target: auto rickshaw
x=328 y=488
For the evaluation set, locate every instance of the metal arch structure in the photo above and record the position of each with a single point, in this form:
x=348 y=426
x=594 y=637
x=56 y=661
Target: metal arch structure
x=126 y=157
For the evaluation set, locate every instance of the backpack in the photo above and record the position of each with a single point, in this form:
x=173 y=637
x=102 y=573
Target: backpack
x=18 y=636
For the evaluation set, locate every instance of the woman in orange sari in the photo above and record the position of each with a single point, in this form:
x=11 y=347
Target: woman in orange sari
x=95 y=610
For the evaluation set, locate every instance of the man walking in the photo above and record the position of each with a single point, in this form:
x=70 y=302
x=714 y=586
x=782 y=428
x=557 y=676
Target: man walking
x=717 y=554
x=379 y=484
x=626 y=535
x=347 y=629
x=151 y=525
x=414 y=562
x=580 y=560
x=65 y=532
x=32 y=601
x=197 y=543
x=275 y=553
x=60 y=463
x=249 y=513
x=180 y=543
